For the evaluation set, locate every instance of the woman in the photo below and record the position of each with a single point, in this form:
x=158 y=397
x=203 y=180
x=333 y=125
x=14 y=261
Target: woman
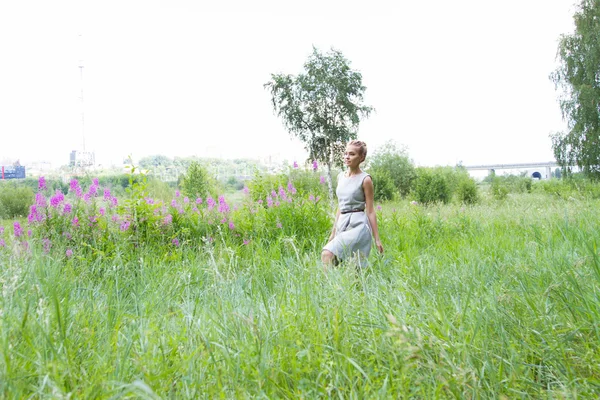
x=355 y=220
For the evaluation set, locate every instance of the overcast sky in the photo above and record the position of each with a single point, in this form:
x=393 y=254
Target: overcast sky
x=455 y=81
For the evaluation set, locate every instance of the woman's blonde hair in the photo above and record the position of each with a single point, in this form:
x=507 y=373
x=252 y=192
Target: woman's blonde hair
x=362 y=146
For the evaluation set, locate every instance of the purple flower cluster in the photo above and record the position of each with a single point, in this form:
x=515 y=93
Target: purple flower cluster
x=42 y=183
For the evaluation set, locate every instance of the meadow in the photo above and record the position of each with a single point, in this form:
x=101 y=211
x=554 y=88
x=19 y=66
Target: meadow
x=195 y=298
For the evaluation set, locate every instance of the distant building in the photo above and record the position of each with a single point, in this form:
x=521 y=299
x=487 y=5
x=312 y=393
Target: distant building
x=81 y=158
x=12 y=172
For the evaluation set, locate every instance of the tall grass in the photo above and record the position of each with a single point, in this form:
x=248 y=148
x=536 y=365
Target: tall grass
x=497 y=300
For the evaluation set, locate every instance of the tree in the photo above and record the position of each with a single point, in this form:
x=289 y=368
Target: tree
x=579 y=78
x=322 y=106
x=396 y=163
x=196 y=181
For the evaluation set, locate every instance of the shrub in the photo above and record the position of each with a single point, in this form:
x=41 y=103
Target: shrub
x=466 y=190
x=499 y=189
x=389 y=158
x=384 y=188
x=432 y=186
x=15 y=201
x=196 y=182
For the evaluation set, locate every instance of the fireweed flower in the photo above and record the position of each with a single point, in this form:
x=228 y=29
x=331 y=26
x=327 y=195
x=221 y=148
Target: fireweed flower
x=149 y=200
x=1 y=230
x=18 y=231
x=57 y=199
x=175 y=242
x=223 y=220
x=93 y=189
x=42 y=183
x=107 y=194
x=311 y=198
x=114 y=201
x=125 y=225
x=167 y=220
x=315 y=165
x=199 y=200
x=177 y=193
x=93 y=219
x=73 y=185
x=295 y=164
x=75 y=221
x=67 y=208
x=279 y=225
x=378 y=208
x=210 y=202
x=67 y=235
x=282 y=193
x=29 y=232
x=69 y=253
x=322 y=180
x=114 y=218
x=277 y=203
x=2 y=243
x=246 y=242
x=291 y=187
x=269 y=202
x=47 y=244
x=40 y=200
x=87 y=197
x=95 y=181
x=173 y=203
x=273 y=194
x=246 y=189
x=186 y=200
x=223 y=207
x=231 y=225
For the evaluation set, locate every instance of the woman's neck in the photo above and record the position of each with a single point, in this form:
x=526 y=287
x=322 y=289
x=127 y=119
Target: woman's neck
x=352 y=172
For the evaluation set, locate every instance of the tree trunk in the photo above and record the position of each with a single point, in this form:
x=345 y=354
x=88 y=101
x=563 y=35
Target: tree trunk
x=330 y=182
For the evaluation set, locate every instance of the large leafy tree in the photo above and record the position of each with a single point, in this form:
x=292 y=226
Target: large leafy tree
x=579 y=78
x=322 y=106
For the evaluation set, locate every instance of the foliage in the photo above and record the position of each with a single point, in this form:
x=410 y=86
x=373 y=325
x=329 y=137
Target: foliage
x=432 y=186
x=322 y=106
x=398 y=165
x=196 y=182
x=305 y=184
x=577 y=76
x=502 y=185
x=14 y=200
x=466 y=190
x=474 y=302
x=383 y=184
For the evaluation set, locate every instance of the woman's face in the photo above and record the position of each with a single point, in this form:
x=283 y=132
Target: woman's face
x=352 y=156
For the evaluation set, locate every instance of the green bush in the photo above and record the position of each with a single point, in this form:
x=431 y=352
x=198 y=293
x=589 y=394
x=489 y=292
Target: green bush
x=15 y=200
x=305 y=183
x=384 y=188
x=499 y=189
x=389 y=158
x=432 y=186
x=466 y=190
x=196 y=182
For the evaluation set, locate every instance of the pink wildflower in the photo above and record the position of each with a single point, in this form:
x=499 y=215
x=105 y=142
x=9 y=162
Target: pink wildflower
x=279 y=225
x=18 y=231
x=175 y=242
x=67 y=208
x=177 y=193
x=42 y=183
x=69 y=253
x=231 y=225
x=199 y=200
x=246 y=190
x=322 y=180
x=2 y=243
x=125 y=226
x=107 y=194
x=75 y=221
x=295 y=164
x=315 y=165
x=246 y=242
x=186 y=200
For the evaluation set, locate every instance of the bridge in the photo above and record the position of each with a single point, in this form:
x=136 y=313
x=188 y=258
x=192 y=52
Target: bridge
x=537 y=168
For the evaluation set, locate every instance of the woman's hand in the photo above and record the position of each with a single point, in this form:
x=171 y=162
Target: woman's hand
x=379 y=246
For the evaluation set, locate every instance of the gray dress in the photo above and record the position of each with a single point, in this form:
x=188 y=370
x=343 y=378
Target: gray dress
x=353 y=231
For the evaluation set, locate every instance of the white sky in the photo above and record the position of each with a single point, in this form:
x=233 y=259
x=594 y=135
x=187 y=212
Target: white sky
x=462 y=80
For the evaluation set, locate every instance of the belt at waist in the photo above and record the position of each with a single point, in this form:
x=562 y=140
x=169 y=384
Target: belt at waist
x=351 y=211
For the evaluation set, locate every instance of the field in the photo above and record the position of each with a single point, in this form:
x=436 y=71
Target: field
x=496 y=300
